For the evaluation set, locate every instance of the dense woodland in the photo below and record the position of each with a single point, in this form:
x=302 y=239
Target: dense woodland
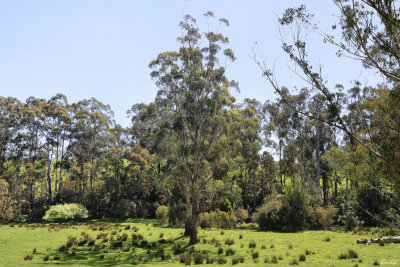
x=198 y=158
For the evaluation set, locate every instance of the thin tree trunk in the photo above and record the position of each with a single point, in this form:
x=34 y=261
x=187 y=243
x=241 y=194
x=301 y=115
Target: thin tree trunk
x=317 y=162
x=49 y=159
x=254 y=187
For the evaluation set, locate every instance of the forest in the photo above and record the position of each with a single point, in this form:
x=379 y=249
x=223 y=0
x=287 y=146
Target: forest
x=310 y=159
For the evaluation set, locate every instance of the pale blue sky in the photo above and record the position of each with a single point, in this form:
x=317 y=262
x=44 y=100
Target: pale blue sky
x=86 y=48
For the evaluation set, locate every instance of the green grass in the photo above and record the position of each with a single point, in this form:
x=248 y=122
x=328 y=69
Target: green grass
x=308 y=248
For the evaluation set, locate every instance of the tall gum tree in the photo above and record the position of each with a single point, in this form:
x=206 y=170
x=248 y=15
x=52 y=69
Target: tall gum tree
x=194 y=89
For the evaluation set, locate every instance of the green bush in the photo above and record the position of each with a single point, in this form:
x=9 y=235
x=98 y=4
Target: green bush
x=241 y=214
x=220 y=219
x=162 y=214
x=65 y=212
x=298 y=213
x=268 y=216
x=224 y=219
x=326 y=216
x=206 y=220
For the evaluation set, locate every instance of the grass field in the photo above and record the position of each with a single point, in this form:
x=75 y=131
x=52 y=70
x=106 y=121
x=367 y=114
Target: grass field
x=144 y=244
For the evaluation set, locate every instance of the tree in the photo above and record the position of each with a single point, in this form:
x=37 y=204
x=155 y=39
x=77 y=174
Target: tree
x=194 y=89
x=91 y=124
x=370 y=30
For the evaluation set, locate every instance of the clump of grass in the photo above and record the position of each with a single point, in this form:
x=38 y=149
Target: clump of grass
x=220 y=250
x=125 y=248
x=302 y=257
x=381 y=243
x=82 y=242
x=116 y=244
x=28 y=257
x=272 y=245
x=113 y=232
x=71 y=241
x=376 y=262
x=221 y=260
x=235 y=261
x=308 y=252
x=56 y=258
x=161 y=235
x=290 y=246
x=274 y=259
x=186 y=259
x=352 y=254
x=204 y=241
x=91 y=242
x=252 y=244
x=63 y=248
x=240 y=236
x=46 y=258
x=327 y=239
x=34 y=250
x=127 y=227
x=198 y=258
x=254 y=255
x=222 y=232
x=293 y=262
x=229 y=242
x=209 y=260
x=263 y=247
x=177 y=249
x=101 y=257
x=230 y=252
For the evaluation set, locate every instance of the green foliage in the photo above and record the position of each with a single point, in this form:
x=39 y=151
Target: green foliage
x=326 y=215
x=217 y=219
x=269 y=215
x=162 y=214
x=241 y=215
x=66 y=212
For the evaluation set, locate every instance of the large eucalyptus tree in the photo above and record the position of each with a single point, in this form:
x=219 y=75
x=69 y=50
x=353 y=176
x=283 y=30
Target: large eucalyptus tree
x=194 y=89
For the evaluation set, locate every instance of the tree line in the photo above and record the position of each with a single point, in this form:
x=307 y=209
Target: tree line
x=195 y=150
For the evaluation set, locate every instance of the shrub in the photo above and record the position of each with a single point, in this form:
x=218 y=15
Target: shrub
x=326 y=216
x=298 y=213
x=177 y=249
x=252 y=244
x=206 y=220
x=198 y=258
x=209 y=260
x=230 y=252
x=349 y=218
x=229 y=242
x=224 y=219
x=65 y=212
x=235 y=261
x=352 y=254
x=28 y=257
x=268 y=216
x=221 y=260
x=225 y=205
x=162 y=214
x=241 y=214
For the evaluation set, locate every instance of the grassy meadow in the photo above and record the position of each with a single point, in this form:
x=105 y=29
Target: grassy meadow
x=144 y=243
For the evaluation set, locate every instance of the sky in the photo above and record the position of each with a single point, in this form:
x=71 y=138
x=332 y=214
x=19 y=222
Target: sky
x=101 y=49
